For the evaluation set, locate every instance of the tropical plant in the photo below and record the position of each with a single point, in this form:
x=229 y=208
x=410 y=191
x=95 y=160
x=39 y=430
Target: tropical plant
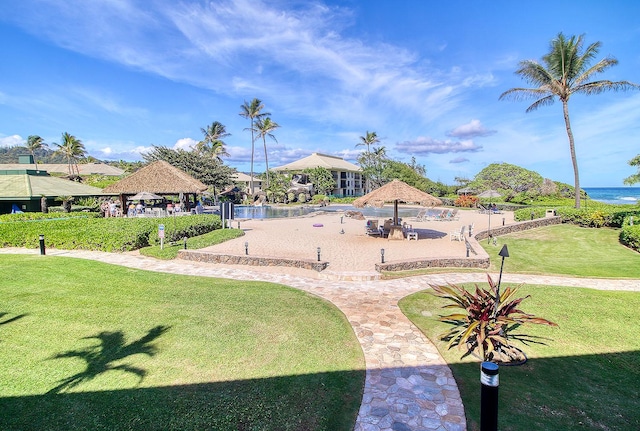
x=34 y=143
x=466 y=201
x=212 y=143
x=71 y=148
x=322 y=179
x=488 y=322
x=66 y=202
x=369 y=139
x=635 y=178
x=566 y=71
x=264 y=127
x=253 y=111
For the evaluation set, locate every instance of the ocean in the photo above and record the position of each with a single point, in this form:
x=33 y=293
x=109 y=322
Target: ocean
x=614 y=195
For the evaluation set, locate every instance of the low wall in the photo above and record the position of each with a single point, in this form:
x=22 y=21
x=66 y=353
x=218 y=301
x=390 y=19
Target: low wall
x=518 y=227
x=229 y=259
x=434 y=262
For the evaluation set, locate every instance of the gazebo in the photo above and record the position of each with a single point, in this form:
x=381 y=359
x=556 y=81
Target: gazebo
x=160 y=178
x=396 y=191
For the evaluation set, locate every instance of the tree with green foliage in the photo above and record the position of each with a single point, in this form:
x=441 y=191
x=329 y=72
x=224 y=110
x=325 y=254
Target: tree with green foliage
x=366 y=158
x=253 y=111
x=322 y=179
x=373 y=164
x=278 y=187
x=264 y=128
x=72 y=149
x=34 y=143
x=507 y=179
x=635 y=178
x=566 y=70
x=210 y=171
x=212 y=143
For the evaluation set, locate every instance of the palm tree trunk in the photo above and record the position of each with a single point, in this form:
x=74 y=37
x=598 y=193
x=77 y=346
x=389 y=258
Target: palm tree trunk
x=252 y=151
x=572 y=149
x=266 y=158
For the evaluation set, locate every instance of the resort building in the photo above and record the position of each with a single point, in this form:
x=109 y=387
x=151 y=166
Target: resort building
x=348 y=177
x=26 y=163
x=244 y=182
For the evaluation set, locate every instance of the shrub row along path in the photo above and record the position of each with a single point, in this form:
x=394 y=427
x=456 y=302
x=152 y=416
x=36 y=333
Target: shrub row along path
x=408 y=385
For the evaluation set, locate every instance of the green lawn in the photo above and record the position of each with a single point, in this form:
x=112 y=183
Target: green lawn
x=85 y=345
x=568 y=250
x=587 y=376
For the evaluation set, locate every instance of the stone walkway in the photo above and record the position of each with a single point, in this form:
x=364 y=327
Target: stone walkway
x=408 y=385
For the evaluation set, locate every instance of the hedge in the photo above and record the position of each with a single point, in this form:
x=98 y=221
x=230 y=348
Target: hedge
x=593 y=216
x=103 y=234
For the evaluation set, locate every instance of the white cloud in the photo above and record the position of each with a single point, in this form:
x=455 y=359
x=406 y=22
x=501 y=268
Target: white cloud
x=458 y=160
x=11 y=141
x=473 y=129
x=424 y=145
x=185 y=144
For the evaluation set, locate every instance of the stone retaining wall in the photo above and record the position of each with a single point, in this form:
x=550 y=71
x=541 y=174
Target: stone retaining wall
x=251 y=260
x=519 y=226
x=434 y=262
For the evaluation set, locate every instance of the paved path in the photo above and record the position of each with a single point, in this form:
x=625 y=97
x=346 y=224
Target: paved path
x=408 y=385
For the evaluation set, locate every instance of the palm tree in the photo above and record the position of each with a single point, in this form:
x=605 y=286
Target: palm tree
x=264 y=127
x=565 y=70
x=212 y=143
x=71 y=148
x=252 y=111
x=35 y=142
x=369 y=139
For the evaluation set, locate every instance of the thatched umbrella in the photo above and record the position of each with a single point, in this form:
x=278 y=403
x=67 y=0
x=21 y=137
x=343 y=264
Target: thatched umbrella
x=160 y=178
x=396 y=191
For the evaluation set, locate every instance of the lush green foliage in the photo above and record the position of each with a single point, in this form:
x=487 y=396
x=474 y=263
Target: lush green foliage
x=594 y=214
x=486 y=326
x=593 y=357
x=507 y=179
x=90 y=346
x=170 y=250
x=205 y=168
x=106 y=234
x=322 y=179
x=28 y=216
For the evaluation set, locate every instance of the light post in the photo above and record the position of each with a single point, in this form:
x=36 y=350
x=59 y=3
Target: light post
x=382 y=255
x=504 y=252
x=466 y=243
x=246 y=247
x=489 y=383
x=489 y=229
x=318 y=254
x=42 y=248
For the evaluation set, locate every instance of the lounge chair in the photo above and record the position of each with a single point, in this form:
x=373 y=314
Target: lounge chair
x=372 y=228
x=422 y=215
x=441 y=216
x=386 y=228
x=457 y=234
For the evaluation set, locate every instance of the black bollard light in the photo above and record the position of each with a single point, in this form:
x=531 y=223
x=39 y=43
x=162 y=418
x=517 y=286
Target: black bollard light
x=470 y=229
x=341 y=219
x=466 y=243
x=184 y=242
x=489 y=382
x=238 y=224
x=246 y=247
x=531 y=216
x=318 y=254
x=382 y=255
x=502 y=221
x=42 y=249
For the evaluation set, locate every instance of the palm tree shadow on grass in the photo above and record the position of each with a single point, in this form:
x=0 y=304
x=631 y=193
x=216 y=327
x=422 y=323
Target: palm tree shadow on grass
x=12 y=319
x=102 y=357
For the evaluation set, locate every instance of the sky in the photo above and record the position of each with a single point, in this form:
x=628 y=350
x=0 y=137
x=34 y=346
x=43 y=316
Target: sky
x=426 y=76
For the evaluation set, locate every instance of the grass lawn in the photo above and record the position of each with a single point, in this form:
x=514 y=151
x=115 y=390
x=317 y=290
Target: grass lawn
x=567 y=250
x=170 y=251
x=85 y=345
x=587 y=376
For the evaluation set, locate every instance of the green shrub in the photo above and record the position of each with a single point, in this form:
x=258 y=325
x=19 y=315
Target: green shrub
x=103 y=234
x=595 y=215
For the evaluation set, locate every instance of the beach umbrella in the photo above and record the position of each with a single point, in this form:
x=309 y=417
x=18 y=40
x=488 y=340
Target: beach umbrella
x=145 y=196
x=489 y=194
x=396 y=191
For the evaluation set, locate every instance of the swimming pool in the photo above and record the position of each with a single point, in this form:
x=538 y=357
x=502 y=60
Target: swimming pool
x=264 y=212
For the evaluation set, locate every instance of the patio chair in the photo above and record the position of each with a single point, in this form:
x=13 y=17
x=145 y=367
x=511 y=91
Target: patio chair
x=457 y=234
x=422 y=214
x=372 y=228
x=442 y=216
x=386 y=228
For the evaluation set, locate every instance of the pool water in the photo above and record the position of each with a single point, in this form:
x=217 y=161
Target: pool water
x=265 y=212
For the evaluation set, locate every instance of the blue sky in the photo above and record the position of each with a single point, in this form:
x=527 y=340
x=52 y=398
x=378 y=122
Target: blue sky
x=122 y=75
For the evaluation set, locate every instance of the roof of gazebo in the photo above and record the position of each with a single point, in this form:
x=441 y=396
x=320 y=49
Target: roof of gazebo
x=159 y=177
x=396 y=190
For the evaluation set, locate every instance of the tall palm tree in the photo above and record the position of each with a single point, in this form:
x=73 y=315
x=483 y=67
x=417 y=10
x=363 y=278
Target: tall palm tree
x=264 y=127
x=71 y=148
x=212 y=143
x=35 y=142
x=252 y=110
x=369 y=139
x=566 y=70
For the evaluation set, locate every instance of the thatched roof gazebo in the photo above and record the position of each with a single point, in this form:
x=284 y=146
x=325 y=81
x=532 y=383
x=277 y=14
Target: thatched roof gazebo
x=160 y=178
x=396 y=191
